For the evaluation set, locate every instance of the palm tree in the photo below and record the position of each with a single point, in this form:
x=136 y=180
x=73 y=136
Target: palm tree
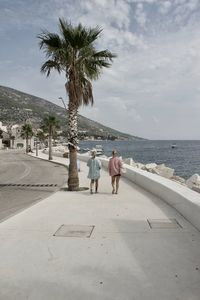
x=1 y=134
x=73 y=53
x=27 y=133
x=50 y=124
x=41 y=136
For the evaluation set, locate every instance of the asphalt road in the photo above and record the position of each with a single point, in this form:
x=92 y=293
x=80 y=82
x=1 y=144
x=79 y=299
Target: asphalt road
x=24 y=180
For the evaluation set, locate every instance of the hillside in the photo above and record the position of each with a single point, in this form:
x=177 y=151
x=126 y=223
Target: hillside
x=16 y=107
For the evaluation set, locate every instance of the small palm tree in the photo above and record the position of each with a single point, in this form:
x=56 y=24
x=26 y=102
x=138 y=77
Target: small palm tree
x=50 y=124
x=73 y=53
x=26 y=133
x=41 y=136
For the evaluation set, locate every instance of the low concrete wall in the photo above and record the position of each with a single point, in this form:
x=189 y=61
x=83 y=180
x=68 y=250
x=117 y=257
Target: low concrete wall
x=184 y=200
x=57 y=153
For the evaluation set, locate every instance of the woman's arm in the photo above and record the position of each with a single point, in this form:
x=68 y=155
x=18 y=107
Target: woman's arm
x=109 y=167
x=88 y=163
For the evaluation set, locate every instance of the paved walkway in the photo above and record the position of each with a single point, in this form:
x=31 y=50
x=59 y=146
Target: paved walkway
x=123 y=259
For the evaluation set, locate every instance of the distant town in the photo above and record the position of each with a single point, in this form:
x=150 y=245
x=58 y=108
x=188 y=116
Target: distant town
x=11 y=136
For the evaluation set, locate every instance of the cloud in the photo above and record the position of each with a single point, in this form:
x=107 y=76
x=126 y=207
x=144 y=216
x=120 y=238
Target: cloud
x=165 y=7
x=153 y=81
x=156 y=119
x=140 y=15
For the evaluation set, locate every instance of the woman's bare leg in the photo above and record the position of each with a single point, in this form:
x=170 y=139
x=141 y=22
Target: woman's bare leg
x=117 y=184
x=113 y=184
x=96 y=185
x=91 y=186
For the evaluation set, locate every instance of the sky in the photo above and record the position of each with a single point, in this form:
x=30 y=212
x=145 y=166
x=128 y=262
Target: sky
x=152 y=89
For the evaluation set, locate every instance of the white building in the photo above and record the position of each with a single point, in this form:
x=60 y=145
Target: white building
x=12 y=137
x=4 y=128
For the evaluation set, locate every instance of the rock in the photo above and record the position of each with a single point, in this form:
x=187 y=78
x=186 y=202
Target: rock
x=193 y=180
x=140 y=166
x=165 y=171
x=150 y=166
x=196 y=188
x=154 y=171
x=129 y=161
x=179 y=179
x=143 y=168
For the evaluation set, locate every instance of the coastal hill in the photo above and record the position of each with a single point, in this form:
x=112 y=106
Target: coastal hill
x=17 y=107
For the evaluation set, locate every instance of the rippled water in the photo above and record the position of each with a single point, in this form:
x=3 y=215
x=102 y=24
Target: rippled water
x=185 y=158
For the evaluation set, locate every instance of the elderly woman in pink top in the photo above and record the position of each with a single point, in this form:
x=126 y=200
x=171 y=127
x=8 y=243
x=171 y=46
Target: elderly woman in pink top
x=114 y=168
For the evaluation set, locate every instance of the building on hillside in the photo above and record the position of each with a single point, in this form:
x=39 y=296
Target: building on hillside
x=11 y=137
x=3 y=128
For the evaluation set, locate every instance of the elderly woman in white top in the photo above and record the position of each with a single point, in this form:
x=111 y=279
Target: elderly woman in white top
x=94 y=165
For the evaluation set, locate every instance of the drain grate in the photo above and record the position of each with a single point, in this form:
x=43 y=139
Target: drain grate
x=163 y=223
x=28 y=185
x=82 y=231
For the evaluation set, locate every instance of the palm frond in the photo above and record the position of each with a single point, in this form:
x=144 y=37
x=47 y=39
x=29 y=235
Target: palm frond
x=93 y=33
x=74 y=53
x=47 y=67
x=27 y=131
x=49 y=41
x=105 y=54
x=50 y=123
x=67 y=32
x=87 y=94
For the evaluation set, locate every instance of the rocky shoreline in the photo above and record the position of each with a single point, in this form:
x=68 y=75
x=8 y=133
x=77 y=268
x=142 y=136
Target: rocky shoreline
x=193 y=182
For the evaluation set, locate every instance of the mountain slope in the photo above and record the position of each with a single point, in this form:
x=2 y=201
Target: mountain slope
x=16 y=107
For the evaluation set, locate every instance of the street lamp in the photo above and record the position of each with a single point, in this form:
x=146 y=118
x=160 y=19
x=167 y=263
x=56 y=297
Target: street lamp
x=63 y=103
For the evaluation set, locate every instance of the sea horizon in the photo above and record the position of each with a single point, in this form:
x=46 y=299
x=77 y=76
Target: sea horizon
x=184 y=158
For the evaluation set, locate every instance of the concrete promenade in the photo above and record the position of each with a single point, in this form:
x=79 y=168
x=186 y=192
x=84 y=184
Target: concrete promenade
x=123 y=259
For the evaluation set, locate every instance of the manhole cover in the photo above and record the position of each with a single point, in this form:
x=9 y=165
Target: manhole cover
x=163 y=223
x=83 y=231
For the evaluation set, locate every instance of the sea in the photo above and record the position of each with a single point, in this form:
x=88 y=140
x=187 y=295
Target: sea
x=184 y=158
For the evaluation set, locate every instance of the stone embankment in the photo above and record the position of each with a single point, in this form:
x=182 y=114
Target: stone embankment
x=193 y=182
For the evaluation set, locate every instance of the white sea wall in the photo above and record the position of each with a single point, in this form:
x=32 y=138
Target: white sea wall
x=183 y=199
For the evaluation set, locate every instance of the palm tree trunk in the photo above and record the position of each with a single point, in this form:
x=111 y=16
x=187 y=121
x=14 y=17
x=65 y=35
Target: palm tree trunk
x=50 y=145
x=73 y=180
x=26 y=144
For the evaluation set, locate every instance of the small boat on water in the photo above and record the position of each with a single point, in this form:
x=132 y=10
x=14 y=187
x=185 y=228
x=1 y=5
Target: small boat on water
x=173 y=146
x=99 y=150
x=83 y=150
